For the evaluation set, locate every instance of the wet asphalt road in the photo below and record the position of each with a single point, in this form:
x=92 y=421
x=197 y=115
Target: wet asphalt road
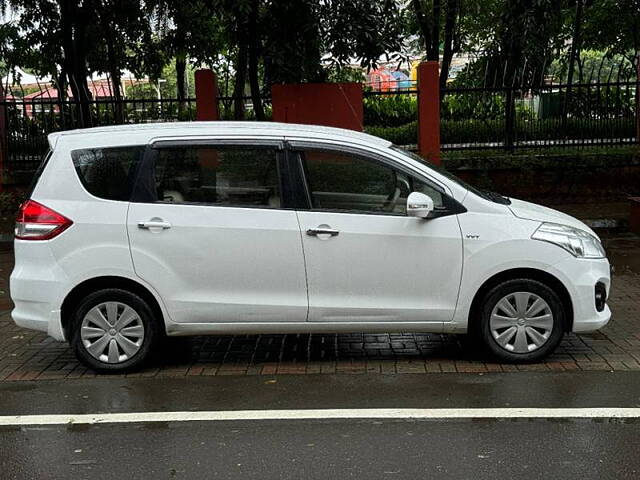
x=329 y=449
x=479 y=449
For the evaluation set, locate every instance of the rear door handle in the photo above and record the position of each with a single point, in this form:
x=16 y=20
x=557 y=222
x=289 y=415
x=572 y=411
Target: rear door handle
x=154 y=224
x=314 y=232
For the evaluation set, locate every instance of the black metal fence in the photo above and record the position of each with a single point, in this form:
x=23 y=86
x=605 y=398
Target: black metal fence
x=509 y=118
x=560 y=115
x=28 y=122
x=506 y=118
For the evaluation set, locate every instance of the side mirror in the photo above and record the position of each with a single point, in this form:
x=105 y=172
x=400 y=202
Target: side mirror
x=419 y=205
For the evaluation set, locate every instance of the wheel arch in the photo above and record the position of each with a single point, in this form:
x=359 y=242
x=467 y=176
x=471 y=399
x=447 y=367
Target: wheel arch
x=525 y=273
x=91 y=285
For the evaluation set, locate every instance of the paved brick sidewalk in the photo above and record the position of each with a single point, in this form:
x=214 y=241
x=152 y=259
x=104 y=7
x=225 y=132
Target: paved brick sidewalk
x=28 y=355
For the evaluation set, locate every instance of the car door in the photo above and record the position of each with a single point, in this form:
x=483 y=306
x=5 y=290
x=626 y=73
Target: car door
x=210 y=231
x=366 y=260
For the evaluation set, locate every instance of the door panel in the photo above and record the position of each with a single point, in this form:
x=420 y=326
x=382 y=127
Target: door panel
x=208 y=231
x=221 y=264
x=382 y=268
x=375 y=264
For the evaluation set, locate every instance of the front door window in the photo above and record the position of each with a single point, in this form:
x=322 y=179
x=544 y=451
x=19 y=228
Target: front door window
x=339 y=181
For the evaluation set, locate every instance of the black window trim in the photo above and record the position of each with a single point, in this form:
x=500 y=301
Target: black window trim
x=156 y=144
x=286 y=202
x=451 y=205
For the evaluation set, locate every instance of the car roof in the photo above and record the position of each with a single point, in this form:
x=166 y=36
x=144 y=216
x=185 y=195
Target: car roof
x=174 y=129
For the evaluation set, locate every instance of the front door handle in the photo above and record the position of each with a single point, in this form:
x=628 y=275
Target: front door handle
x=154 y=224
x=322 y=230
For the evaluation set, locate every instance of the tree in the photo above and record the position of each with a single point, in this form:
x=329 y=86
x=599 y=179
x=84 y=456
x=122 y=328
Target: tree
x=361 y=30
x=52 y=36
x=127 y=44
x=188 y=30
x=624 y=39
x=434 y=20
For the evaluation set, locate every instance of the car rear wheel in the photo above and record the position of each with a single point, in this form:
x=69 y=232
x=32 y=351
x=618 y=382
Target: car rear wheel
x=113 y=330
x=522 y=321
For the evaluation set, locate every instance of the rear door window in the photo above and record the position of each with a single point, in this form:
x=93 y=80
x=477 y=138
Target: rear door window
x=221 y=175
x=108 y=173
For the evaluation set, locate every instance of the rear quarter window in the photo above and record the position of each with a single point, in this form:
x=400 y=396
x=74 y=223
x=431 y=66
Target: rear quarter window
x=108 y=173
x=38 y=172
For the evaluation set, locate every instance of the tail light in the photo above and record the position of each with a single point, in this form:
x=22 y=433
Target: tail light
x=37 y=222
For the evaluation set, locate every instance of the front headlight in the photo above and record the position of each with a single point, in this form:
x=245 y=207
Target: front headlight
x=575 y=241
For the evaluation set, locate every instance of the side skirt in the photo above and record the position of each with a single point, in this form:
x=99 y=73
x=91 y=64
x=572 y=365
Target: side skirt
x=236 y=328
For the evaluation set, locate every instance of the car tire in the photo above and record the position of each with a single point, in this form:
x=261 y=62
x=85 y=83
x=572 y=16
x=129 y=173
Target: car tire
x=522 y=321
x=113 y=331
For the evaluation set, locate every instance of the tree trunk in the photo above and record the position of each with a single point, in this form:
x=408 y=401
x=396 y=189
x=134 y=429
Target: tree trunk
x=575 y=49
x=62 y=86
x=429 y=27
x=434 y=51
x=638 y=96
x=114 y=71
x=449 y=29
x=240 y=81
x=74 y=41
x=181 y=68
x=254 y=82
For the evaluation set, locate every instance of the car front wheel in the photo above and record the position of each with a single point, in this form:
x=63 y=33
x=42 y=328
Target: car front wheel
x=113 y=330
x=522 y=321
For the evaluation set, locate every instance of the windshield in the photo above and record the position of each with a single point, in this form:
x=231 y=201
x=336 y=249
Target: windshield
x=494 y=197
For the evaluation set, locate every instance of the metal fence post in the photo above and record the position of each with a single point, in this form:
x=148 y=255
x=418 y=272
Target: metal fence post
x=509 y=119
x=206 y=95
x=638 y=97
x=429 y=111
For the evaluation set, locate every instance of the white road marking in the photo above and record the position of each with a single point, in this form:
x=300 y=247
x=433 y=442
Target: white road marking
x=322 y=414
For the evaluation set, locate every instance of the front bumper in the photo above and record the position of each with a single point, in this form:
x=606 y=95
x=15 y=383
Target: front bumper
x=580 y=277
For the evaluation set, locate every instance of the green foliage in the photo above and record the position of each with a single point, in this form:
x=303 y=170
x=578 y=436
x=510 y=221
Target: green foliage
x=462 y=106
x=401 y=135
x=390 y=110
x=493 y=130
x=399 y=110
x=337 y=73
x=613 y=25
x=167 y=83
x=361 y=29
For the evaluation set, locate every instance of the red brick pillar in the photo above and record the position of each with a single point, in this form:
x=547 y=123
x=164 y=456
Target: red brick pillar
x=429 y=111
x=331 y=104
x=206 y=95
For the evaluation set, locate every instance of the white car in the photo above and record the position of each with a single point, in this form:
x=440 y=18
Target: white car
x=135 y=232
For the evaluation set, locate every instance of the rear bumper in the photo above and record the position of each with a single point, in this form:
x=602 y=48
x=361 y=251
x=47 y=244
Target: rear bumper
x=37 y=285
x=26 y=317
